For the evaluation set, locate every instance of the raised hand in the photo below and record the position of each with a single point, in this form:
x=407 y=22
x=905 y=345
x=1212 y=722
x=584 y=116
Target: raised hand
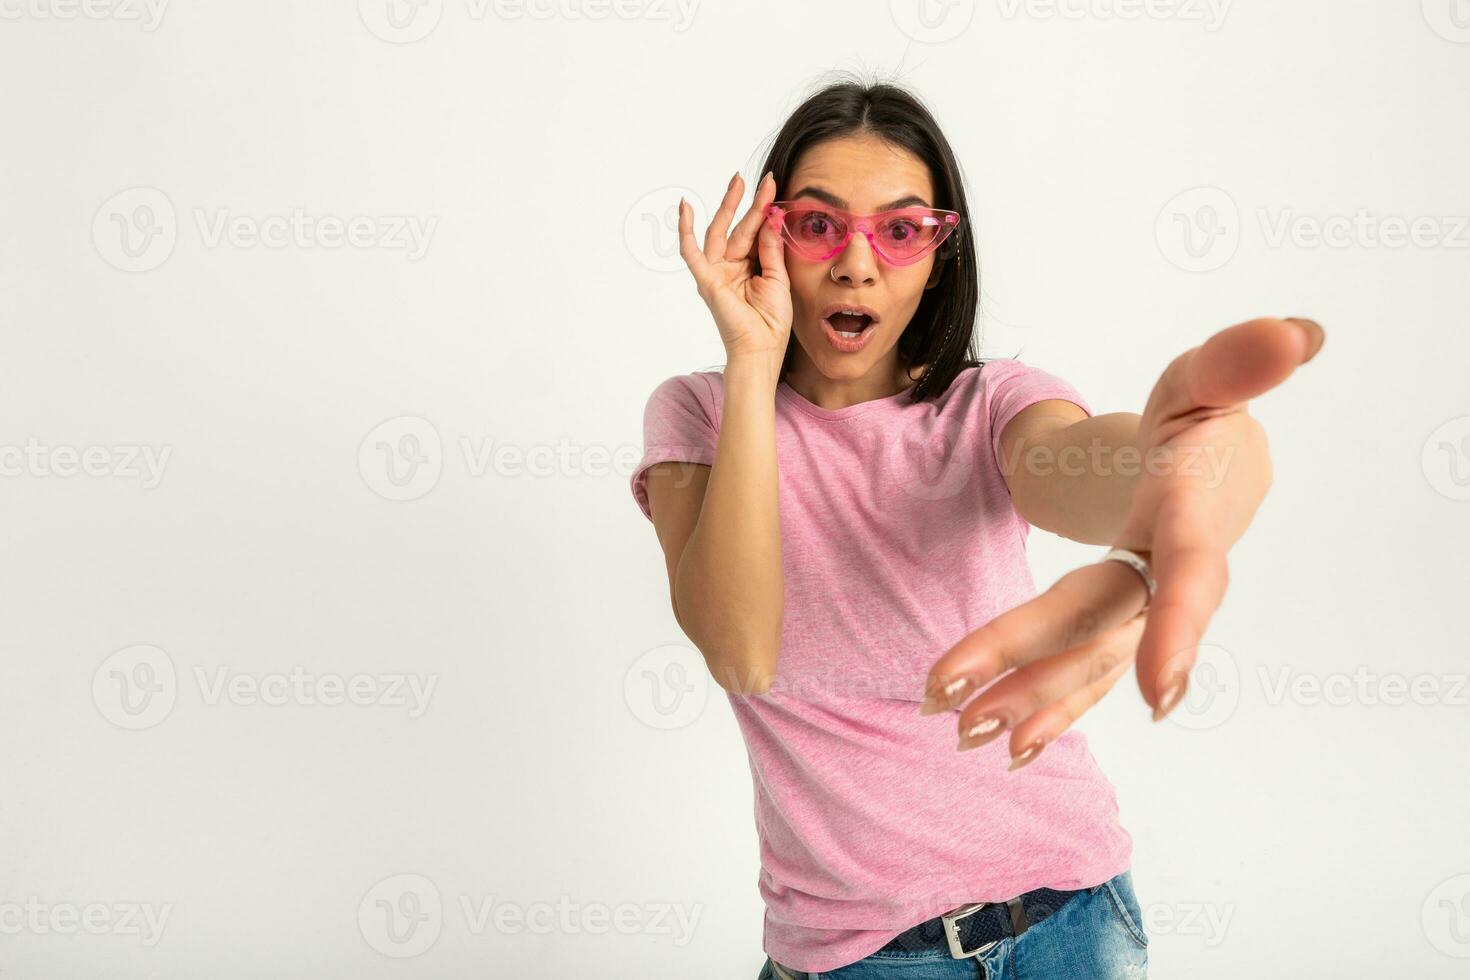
x=1204 y=469
x=751 y=305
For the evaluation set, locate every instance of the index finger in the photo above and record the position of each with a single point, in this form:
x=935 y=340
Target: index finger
x=1081 y=605
x=745 y=232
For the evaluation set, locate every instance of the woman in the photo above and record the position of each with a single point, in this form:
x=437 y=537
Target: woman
x=843 y=511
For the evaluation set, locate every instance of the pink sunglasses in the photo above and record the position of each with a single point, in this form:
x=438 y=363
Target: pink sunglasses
x=902 y=236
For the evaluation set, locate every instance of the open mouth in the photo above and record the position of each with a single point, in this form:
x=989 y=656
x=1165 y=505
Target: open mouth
x=850 y=325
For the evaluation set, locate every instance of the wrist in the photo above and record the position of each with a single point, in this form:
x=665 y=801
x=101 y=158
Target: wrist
x=754 y=367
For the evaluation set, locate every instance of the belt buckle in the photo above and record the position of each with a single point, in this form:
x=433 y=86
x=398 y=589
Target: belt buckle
x=952 y=930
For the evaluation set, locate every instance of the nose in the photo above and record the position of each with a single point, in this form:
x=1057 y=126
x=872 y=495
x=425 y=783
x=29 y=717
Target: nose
x=856 y=265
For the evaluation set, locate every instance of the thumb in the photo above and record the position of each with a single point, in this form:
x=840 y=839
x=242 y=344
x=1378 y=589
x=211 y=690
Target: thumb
x=1235 y=365
x=772 y=252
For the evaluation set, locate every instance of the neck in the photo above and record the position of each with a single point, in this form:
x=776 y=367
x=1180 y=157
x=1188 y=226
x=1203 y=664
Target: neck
x=886 y=378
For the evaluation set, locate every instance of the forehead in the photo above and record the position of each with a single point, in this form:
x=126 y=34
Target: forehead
x=864 y=171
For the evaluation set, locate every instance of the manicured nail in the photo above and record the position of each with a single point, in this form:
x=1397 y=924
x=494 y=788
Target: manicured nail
x=935 y=705
x=1027 y=754
x=732 y=180
x=1169 y=698
x=979 y=733
x=1316 y=336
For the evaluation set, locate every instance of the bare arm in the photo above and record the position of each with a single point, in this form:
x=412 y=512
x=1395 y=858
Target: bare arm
x=721 y=533
x=1069 y=473
x=720 y=528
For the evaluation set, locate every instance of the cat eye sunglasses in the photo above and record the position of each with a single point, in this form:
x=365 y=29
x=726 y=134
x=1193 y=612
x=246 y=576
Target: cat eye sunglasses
x=902 y=236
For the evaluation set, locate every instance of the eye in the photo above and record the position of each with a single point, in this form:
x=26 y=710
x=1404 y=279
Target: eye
x=902 y=229
x=815 y=223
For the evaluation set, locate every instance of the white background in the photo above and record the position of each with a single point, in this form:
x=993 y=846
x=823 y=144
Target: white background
x=542 y=150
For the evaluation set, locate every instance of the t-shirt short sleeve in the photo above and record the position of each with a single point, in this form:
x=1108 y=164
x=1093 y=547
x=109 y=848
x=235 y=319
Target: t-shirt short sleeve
x=679 y=423
x=1013 y=386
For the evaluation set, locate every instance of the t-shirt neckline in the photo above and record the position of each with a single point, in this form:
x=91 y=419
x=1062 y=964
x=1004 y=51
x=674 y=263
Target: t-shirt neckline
x=811 y=408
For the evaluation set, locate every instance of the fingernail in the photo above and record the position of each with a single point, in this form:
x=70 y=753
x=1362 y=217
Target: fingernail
x=1169 y=698
x=732 y=180
x=1027 y=754
x=979 y=733
x=1316 y=336
x=940 y=702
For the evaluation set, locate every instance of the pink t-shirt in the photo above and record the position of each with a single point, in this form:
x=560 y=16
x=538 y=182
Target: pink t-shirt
x=898 y=539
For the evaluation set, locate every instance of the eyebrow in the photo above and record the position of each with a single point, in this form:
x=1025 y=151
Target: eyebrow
x=827 y=197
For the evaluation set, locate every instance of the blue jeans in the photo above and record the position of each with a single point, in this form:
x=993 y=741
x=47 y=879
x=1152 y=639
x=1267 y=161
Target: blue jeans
x=1097 y=935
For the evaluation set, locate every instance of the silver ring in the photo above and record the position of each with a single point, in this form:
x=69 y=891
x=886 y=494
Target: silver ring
x=833 y=273
x=1140 y=565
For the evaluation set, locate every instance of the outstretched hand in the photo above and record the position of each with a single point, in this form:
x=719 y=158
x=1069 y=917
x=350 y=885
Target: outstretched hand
x=1204 y=469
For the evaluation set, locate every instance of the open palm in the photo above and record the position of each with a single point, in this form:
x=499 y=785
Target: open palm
x=1203 y=470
